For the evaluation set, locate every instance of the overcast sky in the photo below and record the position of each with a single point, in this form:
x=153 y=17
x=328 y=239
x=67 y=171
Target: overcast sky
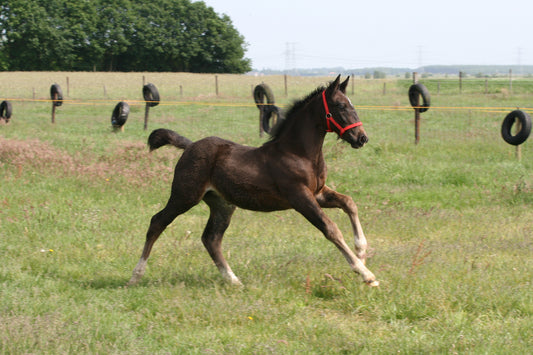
x=286 y=34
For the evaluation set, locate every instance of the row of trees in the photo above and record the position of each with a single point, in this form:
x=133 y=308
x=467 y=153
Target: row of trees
x=118 y=35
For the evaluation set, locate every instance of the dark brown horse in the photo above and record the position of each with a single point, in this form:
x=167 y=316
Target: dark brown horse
x=286 y=172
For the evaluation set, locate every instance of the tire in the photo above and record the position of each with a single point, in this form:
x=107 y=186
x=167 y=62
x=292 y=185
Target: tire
x=56 y=95
x=261 y=92
x=525 y=130
x=120 y=114
x=270 y=118
x=151 y=95
x=6 y=110
x=417 y=90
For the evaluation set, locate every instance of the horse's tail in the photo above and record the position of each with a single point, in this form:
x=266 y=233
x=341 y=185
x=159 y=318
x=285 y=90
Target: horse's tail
x=162 y=136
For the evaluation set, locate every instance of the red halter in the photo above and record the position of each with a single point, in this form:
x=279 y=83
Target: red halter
x=329 y=118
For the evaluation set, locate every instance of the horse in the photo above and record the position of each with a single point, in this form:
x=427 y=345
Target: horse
x=286 y=172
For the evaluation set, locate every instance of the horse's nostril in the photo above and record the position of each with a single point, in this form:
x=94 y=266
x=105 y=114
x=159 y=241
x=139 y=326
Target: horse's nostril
x=363 y=139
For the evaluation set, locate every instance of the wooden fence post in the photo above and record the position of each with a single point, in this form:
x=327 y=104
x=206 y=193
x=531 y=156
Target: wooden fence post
x=417 y=111
x=54 y=108
x=146 y=111
x=518 y=128
x=216 y=85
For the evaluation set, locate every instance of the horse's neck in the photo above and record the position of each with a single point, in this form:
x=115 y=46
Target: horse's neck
x=303 y=136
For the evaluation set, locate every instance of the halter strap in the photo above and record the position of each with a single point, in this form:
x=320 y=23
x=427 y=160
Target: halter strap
x=330 y=119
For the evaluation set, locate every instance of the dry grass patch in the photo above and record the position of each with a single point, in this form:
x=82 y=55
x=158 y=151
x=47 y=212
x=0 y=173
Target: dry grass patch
x=127 y=160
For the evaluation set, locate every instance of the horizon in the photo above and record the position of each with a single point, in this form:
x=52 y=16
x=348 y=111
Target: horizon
x=471 y=69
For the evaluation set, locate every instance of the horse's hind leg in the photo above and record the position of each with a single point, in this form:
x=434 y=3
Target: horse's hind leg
x=158 y=223
x=219 y=220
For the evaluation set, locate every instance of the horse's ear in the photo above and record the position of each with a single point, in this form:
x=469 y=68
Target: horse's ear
x=334 y=86
x=344 y=84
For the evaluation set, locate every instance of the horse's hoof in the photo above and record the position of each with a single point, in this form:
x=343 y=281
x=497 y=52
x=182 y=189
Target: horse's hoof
x=374 y=283
x=133 y=281
x=236 y=283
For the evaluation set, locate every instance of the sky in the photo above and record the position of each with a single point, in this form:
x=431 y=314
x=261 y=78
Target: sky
x=305 y=34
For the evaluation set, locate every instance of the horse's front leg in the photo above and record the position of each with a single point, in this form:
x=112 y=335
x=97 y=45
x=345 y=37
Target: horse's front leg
x=307 y=204
x=329 y=198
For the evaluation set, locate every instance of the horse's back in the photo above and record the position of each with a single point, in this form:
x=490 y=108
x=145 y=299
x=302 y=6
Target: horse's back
x=238 y=173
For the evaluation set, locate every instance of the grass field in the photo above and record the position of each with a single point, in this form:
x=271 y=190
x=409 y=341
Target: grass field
x=449 y=223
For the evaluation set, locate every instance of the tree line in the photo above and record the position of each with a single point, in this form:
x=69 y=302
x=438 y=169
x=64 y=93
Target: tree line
x=119 y=35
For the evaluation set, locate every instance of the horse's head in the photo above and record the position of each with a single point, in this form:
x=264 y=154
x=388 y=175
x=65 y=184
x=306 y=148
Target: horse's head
x=341 y=116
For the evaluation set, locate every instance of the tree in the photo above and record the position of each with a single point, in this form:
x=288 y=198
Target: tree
x=117 y=26
x=124 y=35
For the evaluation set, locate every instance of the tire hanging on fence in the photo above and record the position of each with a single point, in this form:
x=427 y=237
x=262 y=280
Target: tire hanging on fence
x=269 y=114
x=151 y=95
x=56 y=95
x=6 y=110
x=271 y=118
x=525 y=127
x=261 y=92
x=417 y=90
x=120 y=114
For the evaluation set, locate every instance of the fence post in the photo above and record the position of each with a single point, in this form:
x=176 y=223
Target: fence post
x=460 y=82
x=353 y=84
x=68 y=86
x=486 y=86
x=286 y=87
x=146 y=111
x=216 y=85
x=518 y=128
x=54 y=108
x=417 y=111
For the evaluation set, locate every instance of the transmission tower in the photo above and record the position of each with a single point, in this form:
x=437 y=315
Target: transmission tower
x=290 y=55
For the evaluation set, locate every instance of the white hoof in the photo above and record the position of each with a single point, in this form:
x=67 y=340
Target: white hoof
x=134 y=279
x=237 y=283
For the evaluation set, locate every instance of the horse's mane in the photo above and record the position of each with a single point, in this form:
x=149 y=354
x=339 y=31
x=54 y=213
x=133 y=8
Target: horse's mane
x=291 y=113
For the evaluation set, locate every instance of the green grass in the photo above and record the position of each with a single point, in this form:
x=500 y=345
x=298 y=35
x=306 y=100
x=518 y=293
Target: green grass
x=449 y=223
